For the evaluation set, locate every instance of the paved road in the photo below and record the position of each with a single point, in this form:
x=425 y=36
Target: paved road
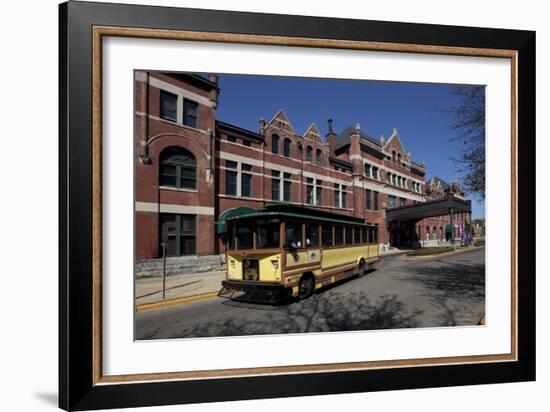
x=440 y=291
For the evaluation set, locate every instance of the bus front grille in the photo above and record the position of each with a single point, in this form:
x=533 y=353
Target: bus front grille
x=251 y=269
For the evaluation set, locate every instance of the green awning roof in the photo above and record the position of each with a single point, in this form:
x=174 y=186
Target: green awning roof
x=221 y=226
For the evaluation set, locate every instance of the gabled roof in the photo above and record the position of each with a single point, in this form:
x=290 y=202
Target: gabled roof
x=437 y=180
x=281 y=116
x=313 y=132
x=395 y=136
x=344 y=137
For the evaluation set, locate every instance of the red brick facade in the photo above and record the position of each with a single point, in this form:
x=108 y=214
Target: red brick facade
x=226 y=167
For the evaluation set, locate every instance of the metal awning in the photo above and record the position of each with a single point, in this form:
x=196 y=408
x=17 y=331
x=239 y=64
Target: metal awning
x=434 y=208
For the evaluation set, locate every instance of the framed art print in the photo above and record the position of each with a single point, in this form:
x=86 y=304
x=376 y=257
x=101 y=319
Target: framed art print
x=259 y=205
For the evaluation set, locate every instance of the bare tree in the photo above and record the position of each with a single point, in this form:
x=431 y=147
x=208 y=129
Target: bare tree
x=469 y=125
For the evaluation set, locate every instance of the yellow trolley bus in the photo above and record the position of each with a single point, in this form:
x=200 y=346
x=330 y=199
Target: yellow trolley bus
x=282 y=251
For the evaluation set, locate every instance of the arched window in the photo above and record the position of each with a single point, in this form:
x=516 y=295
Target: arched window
x=309 y=154
x=275 y=144
x=399 y=158
x=318 y=157
x=178 y=168
x=435 y=232
x=393 y=156
x=286 y=147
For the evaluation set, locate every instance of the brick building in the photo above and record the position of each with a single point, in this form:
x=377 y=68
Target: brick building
x=191 y=168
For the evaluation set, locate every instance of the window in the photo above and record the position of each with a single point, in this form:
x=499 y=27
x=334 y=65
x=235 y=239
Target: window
x=344 y=197
x=356 y=235
x=275 y=185
x=168 y=106
x=375 y=174
x=246 y=180
x=286 y=147
x=312 y=234
x=399 y=158
x=275 y=144
x=309 y=154
x=178 y=168
x=375 y=233
x=178 y=233
x=349 y=235
x=327 y=235
x=402 y=202
x=391 y=201
x=318 y=157
x=293 y=235
x=231 y=178
x=247 y=142
x=190 y=113
x=336 y=195
x=319 y=193
x=267 y=234
x=232 y=139
x=393 y=156
x=365 y=235
x=375 y=200
x=338 y=235
x=394 y=180
x=367 y=170
x=287 y=187
x=309 y=191
x=368 y=199
x=244 y=235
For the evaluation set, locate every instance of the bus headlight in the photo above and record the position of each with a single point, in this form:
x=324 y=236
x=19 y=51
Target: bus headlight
x=275 y=264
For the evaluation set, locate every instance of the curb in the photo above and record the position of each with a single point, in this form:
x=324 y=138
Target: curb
x=454 y=252
x=172 y=302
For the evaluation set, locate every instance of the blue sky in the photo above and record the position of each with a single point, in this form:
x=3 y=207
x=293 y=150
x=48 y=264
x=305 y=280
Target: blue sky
x=412 y=108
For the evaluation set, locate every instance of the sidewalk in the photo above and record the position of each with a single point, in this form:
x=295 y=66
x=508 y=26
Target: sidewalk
x=149 y=290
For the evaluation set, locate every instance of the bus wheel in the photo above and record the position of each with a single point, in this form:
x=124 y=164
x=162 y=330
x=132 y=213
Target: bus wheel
x=362 y=268
x=306 y=287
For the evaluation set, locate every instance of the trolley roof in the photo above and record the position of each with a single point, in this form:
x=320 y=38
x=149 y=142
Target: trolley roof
x=298 y=212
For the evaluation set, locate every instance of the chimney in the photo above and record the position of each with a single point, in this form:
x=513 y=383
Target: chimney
x=214 y=93
x=262 y=126
x=331 y=139
x=382 y=140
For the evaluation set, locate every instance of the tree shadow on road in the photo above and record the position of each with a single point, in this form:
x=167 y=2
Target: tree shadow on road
x=352 y=311
x=453 y=289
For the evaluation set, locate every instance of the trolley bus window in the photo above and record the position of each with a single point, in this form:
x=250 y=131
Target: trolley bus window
x=338 y=235
x=349 y=235
x=364 y=235
x=293 y=235
x=327 y=235
x=244 y=235
x=267 y=234
x=312 y=234
x=230 y=237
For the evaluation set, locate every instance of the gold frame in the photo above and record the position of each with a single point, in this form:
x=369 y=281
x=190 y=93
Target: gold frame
x=102 y=31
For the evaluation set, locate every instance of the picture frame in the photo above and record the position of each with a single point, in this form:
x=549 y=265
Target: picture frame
x=82 y=29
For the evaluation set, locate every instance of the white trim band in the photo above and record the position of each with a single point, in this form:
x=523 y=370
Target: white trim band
x=152 y=207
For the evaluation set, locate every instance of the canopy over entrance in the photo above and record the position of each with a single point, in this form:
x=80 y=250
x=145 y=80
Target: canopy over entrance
x=434 y=208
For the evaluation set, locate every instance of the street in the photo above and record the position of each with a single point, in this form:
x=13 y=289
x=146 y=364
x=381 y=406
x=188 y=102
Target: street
x=401 y=293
